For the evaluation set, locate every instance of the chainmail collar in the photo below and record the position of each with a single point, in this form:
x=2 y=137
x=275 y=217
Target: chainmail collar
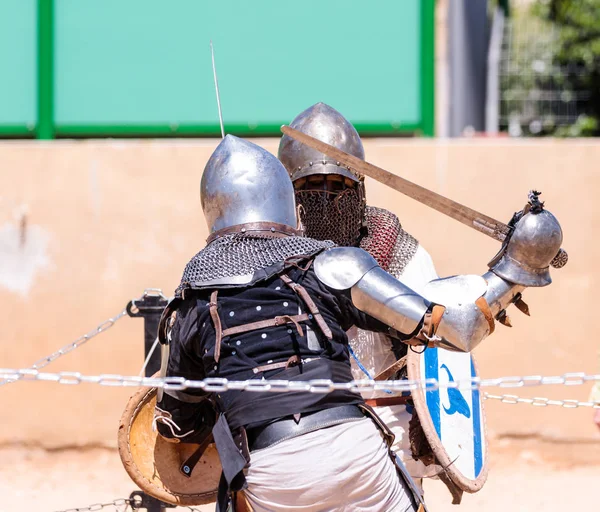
x=386 y=241
x=393 y=248
x=237 y=255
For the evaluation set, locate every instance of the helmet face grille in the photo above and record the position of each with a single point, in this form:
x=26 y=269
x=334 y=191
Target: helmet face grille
x=336 y=216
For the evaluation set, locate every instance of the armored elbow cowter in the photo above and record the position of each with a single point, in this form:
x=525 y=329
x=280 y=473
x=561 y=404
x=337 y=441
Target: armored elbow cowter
x=456 y=313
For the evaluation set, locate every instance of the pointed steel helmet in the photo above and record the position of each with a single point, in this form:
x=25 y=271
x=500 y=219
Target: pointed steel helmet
x=245 y=188
x=533 y=245
x=328 y=125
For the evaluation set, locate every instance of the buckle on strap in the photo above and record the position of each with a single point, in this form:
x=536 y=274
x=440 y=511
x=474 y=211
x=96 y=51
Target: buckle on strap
x=431 y=322
x=286 y=319
x=262 y=324
x=292 y=361
x=310 y=304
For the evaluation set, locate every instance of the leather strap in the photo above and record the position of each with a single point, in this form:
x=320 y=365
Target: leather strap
x=271 y=322
x=288 y=428
x=484 y=307
x=190 y=463
x=310 y=304
x=241 y=503
x=292 y=361
x=431 y=322
x=386 y=432
x=386 y=401
x=214 y=314
x=391 y=369
x=455 y=491
x=270 y=228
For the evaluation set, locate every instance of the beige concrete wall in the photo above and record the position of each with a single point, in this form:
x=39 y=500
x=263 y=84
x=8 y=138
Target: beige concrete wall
x=86 y=226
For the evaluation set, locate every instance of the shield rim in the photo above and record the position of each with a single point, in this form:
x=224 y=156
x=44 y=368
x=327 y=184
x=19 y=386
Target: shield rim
x=140 y=399
x=418 y=395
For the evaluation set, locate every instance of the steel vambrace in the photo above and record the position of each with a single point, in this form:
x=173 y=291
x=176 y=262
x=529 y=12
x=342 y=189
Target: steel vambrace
x=455 y=313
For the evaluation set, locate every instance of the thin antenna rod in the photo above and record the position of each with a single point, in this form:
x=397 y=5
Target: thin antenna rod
x=212 y=53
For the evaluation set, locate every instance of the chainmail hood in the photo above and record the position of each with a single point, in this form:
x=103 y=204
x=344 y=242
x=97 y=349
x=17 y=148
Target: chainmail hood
x=242 y=254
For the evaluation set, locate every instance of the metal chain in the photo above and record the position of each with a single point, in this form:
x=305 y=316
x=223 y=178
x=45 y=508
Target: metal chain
x=541 y=402
x=103 y=327
x=122 y=502
x=218 y=385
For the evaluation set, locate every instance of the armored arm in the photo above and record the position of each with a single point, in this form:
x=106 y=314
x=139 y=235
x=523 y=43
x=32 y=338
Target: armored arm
x=471 y=305
x=181 y=415
x=456 y=313
x=524 y=260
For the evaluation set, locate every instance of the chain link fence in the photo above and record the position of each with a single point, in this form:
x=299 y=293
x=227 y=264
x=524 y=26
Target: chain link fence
x=535 y=97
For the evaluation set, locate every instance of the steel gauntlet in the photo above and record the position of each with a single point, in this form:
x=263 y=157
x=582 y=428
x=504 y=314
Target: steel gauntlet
x=533 y=245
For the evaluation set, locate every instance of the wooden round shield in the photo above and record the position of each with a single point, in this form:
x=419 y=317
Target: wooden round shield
x=453 y=419
x=154 y=463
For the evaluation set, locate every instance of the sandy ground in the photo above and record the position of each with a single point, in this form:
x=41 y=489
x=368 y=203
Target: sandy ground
x=527 y=474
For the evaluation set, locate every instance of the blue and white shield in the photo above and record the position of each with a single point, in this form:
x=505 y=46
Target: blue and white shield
x=453 y=419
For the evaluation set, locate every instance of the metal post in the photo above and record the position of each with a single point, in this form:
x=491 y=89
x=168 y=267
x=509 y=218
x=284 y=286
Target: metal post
x=427 y=87
x=149 y=307
x=139 y=499
x=45 y=93
x=492 y=102
x=467 y=47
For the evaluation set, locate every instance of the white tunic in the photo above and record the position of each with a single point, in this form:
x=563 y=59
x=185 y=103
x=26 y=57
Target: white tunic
x=374 y=353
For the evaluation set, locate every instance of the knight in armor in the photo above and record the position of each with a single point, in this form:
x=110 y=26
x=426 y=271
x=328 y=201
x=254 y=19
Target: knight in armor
x=262 y=302
x=332 y=206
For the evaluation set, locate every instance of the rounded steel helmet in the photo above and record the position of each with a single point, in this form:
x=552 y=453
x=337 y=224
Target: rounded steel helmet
x=331 y=197
x=328 y=125
x=245 y=188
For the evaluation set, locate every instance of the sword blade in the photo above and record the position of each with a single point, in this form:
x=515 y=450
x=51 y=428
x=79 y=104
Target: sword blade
x=212 y=54
x=472 y=218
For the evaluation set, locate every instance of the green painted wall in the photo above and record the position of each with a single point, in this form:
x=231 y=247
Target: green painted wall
x=143 y=67
x=18 y=73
